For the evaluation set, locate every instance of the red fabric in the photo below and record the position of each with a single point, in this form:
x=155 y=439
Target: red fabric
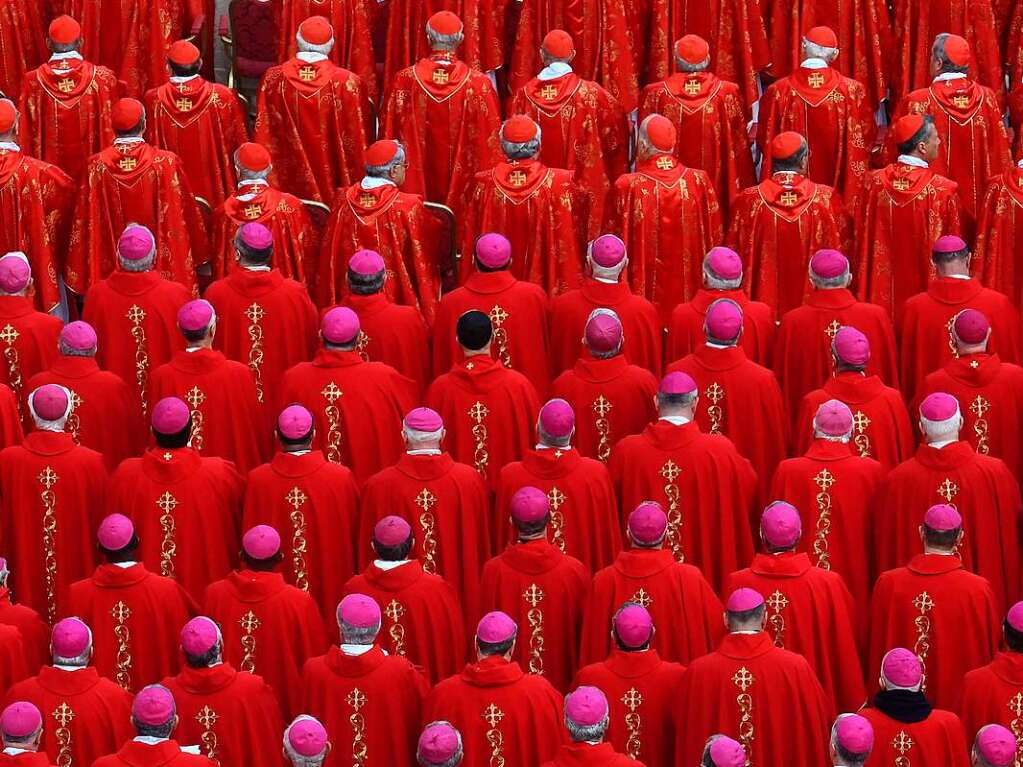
x=406 y=42
x=393 y=334
x=544 y=592
x=10 y=419
x=25 y=759
x=13 y=661
x=988 y=692
x=34 y=345
x=686 y=333
x=167 y=753
x=938 y=739
x=591 y=754
x=208 y=492
x=288 y=629
x=448 y=507
x=1000 y=234
x=35 y=633
x=156 y=609
x=21 y=42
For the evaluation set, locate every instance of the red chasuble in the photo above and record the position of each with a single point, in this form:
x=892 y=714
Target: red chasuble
x=835 y=117
x=50 y=482
x=902 y=210
x=989 y=693
x=543 y=591
x=135 y=617
x=595 y=754
x=13 y=660
x=95 y=712
x=611 y=398
x=811 y=612
x=448 y=507
x=99 y=400
x=350 y=398
x=422 y=618
x=25 y=759
x=35 y=633
x=803 y=364
x=405 y=41
x=501 y=712
x=708 y=114
x=835 y=491
x=488 y=411
x=10 y=418
x=393 y=334
x=936 y=740
x=227 y=417
x=269 y=628
x=181 y=504
x=1000 y=234
x=166 y=753
x=686 y=332
x=949 y=616
x=584 y=517
x=35 y=206
x=314 y=118
x=776 y=227
x=447 y=117
x=749 y=687
x=984 y=492
x=541 y=210
x=233 y=716
x=518 y=312
x=29 y=340
x=134 y=183
x=313 y=505
x=684 y=608
x=384 y=693
x=669 y=218
x=21 y=42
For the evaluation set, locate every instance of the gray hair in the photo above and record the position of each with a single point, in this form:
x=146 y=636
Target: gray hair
x=713 y=282
x=685 y=66
x=592 y=732
x=55 y=425
x=293 y=756
x=671 y=401
x=939 y=429
x=938 y=52
x=306 y=46
x=141 y=265
x=521 y=151
x=456 y=758
x=383 y=171
x=67 y=351
x=829 y=282
x=361 y=635
x=439 y=42
x=843 y=438
x=414 y=435
x=552 y=441
x=814 y=51
x=244 y=174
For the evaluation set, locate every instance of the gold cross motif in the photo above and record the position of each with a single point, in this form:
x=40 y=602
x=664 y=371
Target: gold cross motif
x=642 y=598
x=948 y=490
x=195 y=397
x=715 y=393
x=48 y=478
x=66 y=85
x=517 y=178
x=440 y=76
x=632 y=699
x=136 y=314
x=901 y=184
x=395 y=610
x=777 y=601
x=974 y=364
x=1015 y=704
x=961 y=102
x=356 y=699
x=824 y=479
x=492 y=715
x=63 y=714
x=296 y=498
x=478 y=412
x=902 y=742
x=253 y=212
x=601 y=406
x=691 y=87
x=307 y=74
x=923 y=602
x=860 y=421
x=498 y=315
x=425 y=501
x=120 y=612
x=255 y=313
x=979 y=406
x=168 y=456
x=183 y=104
x=743 y=679
x=816 y=80
x=332 y=392
x=556 y=499
x=533 y=595
x=670 y=471
x=9 y=335
x=548 y=93
x=367 y=200
x=788 y=199
x=664 y=163
x=207 y=717
x=832 y=329
x=127 y=164
x=167 y=502
x=249 y=622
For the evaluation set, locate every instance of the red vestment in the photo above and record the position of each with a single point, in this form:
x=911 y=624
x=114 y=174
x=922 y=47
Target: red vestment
x=181 y=504
x=384 y=693
x=811 y=612
x=13 y=658
x=945 y=613
x=405 y=41
x=25 y=759
x=50 y=482
x=35 y=633
x=669 y=218
x=134 y=183
x=611 y=399
x=986 y=495
x=166 y=753
x=936 y=740
x=448 y=507
x=1000 y=233
x=518 y=312
x=394 y=334
x=313 y=505
x=269 y=628
x=350 y=398
x=989 y=693
x=21 y=42
x=544 y=592
x=500 y=711
x=901 y=211
x=314 y=118
x=592 y=755
x=30 y=342
x=10 y=418
x=135 y=617
x=686 y=332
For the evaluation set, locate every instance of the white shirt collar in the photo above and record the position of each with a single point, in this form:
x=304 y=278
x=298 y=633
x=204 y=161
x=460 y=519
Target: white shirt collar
x=916 y=162
x=375 y=182
x=65 y=56
x=1019 y=164
x=678 y=420
x=260 y=268
x=390 y=565
x=718 y=346
x=14 y=751
x=356 y=649
x=943 y=443
x=430 y=451
x=69 y=668
x=946 y=76
x=612 y=281
x=9 y=146
x=178 y=80
x=299 y=452
x=129 y=140
x=310 y=57
x=124 y=565
x=149 y=740
x=554 y=70
x=814 y=63
x=959 y=276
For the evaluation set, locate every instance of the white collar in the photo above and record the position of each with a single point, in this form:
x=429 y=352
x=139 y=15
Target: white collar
x=254 y=182
x=356 y=649
x=65 y=56
x=381 y=564
x=610 y=281
x=1019 y=164
x=943 y=443
x=149 y=740
x=375 y=182
x=916 y=162
x=261 y=268
x=10 y=146
x=14 y=751
x=814 y=63
x=310 y=57
x=129 y=140
x=69 y=668
x=718 y=346
x=678 y=420
x=946 y=76
x=541 y=446
x=299 y=452
x=124 y=565
x=744 y=632
x=178 y=80
x=190 y=349
x=959 y=277
x=554 y=70
x=430 y=451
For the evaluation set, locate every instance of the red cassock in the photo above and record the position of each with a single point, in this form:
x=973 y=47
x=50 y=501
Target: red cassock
x=394 y=334
x=803 y=365
x=29 y=342
x=667 y=463
x=518 y=312
x=405 y=41
x=811 y=612
x=350 y=398
x=500 y=711
x=640 y=323
x=49 y=481
x=182 y=503
x=447 y=117
x=96 y=712
x=269 y=628
x=99 y=399
x=544 y=591
x=35 y=633
x=166 y=752
x=134 y=183
x=902 y=210
x=448 y=507
x=989 y=693
x=541 y=210
x=488 y=411
x=835 y=491
x=10 y=419
x=13 y=662
x=135 y=617
x=709 y=116
x=35 y=205
x=681 y=602
x=945 y=613
x=986 y=495
x=382 y=693
x=686 y=332
x=936 y=740
x=1000 y=234
x=669 y=218
x=313 y=505
x=611 y=398
x=21 y=42
x=314 y=118
x=776 y=227
x=422 y=617
x=833 y=114
x=232 y=715
x=584 y=516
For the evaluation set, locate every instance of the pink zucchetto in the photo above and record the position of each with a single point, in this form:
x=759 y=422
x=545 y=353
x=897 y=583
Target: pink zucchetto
x=724 y=320
x=854 y=733
x=996 y=744
x=851 y=346
x=261 y=542
x=939 y=407
x=950 y=243
x=648 y=522
x=15 y=272
x=366 y=263
x=195 y=315
x=828 y=264
x=153 y=705
x=1015 y=617
x=557 y=419
x=493 y=250
x=529 y=505
x=942 y=518
x=438 y=743
x=780 y=525
x=340 y=325
x=70 y=638
x=586 y=706
x=21 y=719
x=306 y=736
x=607 y=251
x=199 y=636
x=50 y=402
x=833 y=418
x=294 y=422
x=677 y=383
x=255 y=236
x=359 y=610
x=135 y=243
x=115 y=532
x=723 y=263
x=971 y=326
x=633 y=626
x=902 y=668
x=424 y=419
x=741 y=600
x=603 y=331
x=726 y=752
x=495 y=628
x=391 y=531
x=79 y=336
x=170 y=415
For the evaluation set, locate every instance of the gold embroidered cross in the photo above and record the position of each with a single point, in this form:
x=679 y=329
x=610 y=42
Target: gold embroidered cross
x=832 y=329
x=670 y=471
x=860 y=421
x=253 y=212
x=425 y=499
x=307 y=74
x=166 y=503
x=556 y=498
x=48 y=478
x=127 y=164
x=136 y=314
x=948 y=490
x=664 y=163
x=296 y=498
x=183 y=104
x=255 y=313
x=743 y=679
x=207 y=717
x=356 y=699
x=961 y=102
x=9 y=335
x=816 y=80
x=632 y=699
x=332 y=393
x=440 y=76
x=777 y=601
x=498 y=315
x=1015 y=704
x=923 y=602
x=900 y=184
x=902 y=742
x=395 y=610
x=788 y=199
x=367 y=200
x=63 y=714
x=979 y=406
x=120 y=612
x=548 y=93
x=195 y=397
x=249 y=622
x=533 y=595
x=66 y=85
x=715 y=393
x=601 y=406
x=692 y=87
x=824 y=479
x=478 y=412
x=492 y=715
x=642 y=598
x=517 y=178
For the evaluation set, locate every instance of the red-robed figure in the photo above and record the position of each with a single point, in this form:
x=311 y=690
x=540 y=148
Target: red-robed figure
x=1000 y=233
x=29 y=336
x=989 y=692
x=587 y=719
x=35 y=632
x=405 y=43
x=21 y=42
x=314 y=118
x=668 y=217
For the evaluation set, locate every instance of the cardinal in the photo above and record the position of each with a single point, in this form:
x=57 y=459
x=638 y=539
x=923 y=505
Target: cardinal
x=35 y=632
x=134 y=614
x=21 y=42
x=181 y=502
x=29 y=336
x=997 y=233
x=405 y=43
x=987 y=692
x=587 y=713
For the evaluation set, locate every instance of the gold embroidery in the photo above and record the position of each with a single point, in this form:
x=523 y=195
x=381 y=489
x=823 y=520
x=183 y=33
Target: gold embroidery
x=9 y=335
x=979 y=407
x=556 y=499
x=136 y=314
x=127 y=164
x=716 y=414
x=255 y=313
x=492 y=715
x=307 y=73
x=641 y=598
x=601 y=407
x=816 y=80
x=168 y=546
x=253 y=212
x=534 y=596
x=360 y=749
x=1015 y=705
x=332 y=393
x=861 y=439
x=63 y=716
x=478 y=413
x=427 y=522
x=632 y=699
x=122 y=633
x=395 y=610
x=670 y=471
x=250 y=623
x=903 y=744
x=48 y=478
x=743 y=679
x=924 y=604
x=824 y=480
x=517 y=178
x=195 y=397
x=66 y=85
x=207 y=718
x=296 y=499
x=497 y=316
x=777 y=602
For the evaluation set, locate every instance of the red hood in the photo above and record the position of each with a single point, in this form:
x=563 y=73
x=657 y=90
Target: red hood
x=960 y=99
x=366 y=203
x=662 y=168
x=549 y=96
x=492 y=671
x=952 y=291
x=185 y=102
x=904 y=182
x=692 y=89
x=788 y=565
x=128 y=162
x=306 y=77
x=975 y=370
x=480 y=372
x=533 y=557
x=67 y=80
x=814 y=85
x=518 y=179
x=441 y=75
x=253 y=587
x=788 y=194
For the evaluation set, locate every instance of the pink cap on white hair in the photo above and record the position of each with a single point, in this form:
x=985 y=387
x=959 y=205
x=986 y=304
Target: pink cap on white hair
x=557 y=418
x=586 y=706
x=603 y=331
x=135 y=243
x=741 y=600
x=902 y=668
x=723 y=263
x=780 y=525
x=20 y=719
x=833 y=418
x=648 y=522
x=115 y=532
x=607 y=251
x=424 y=419
x=50 y=402
x=828 y=264
x=307 y=737
x=70 y=638
x=359 y=610
x=939 y=407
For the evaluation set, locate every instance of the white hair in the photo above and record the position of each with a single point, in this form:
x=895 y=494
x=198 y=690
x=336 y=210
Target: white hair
x=294 y=757
x=23 y=257
x=713 y=282
x=936 y=431
x=583 y=733
x=684 y=66
x=57 y=424
x=414 y=435
x=843 y=438
x=80 y=660
x=606 y=272
x=305 y=45
x=814 y=51
x=829 y=282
